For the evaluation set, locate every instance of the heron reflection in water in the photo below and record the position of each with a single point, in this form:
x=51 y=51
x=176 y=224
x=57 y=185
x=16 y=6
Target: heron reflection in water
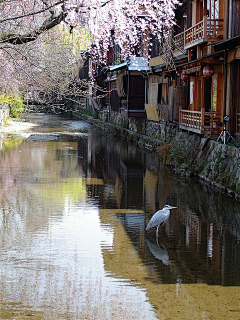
x=159 y=218
x=159 y=251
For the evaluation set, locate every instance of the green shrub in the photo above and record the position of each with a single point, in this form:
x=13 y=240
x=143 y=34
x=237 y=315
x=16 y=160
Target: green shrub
x=165 y=151
x=16 y=105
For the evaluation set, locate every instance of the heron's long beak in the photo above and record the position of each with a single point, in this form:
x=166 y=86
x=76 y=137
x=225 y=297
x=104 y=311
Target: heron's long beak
x=173 y=208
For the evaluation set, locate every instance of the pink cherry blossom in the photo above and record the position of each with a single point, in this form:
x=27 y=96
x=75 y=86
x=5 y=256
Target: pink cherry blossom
x=30 y=30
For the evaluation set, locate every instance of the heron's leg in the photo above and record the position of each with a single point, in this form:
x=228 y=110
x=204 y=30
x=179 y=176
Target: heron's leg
x=157 y=232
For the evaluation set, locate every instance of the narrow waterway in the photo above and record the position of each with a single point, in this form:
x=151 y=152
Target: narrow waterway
x=74 y=203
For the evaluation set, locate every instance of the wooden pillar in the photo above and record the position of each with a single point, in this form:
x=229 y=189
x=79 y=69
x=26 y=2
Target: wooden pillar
x=180 y=115
x=199 y=52
x=202 y=118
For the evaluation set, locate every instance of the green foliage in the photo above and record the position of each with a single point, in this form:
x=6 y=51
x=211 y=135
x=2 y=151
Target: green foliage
x=76 y=39
x=87 y=112
x=11 y=143
x=165 y=151
x=220 y=163
x=233 y=143
x=16 y=105
x=179 y=155
x=199 y=168
x=124 y=124
x=154 y=136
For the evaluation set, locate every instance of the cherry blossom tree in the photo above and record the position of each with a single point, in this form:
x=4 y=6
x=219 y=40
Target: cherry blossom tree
x=35 y=50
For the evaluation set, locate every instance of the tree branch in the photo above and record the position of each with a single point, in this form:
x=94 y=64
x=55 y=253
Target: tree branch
x=33 y=13
x=47 y=25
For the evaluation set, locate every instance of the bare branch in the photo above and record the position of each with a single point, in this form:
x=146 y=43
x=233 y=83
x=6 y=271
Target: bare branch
x=47 y=25
x=104 y=4
x=33 y=13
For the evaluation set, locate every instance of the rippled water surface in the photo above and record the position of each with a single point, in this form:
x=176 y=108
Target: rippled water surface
x=74 y=203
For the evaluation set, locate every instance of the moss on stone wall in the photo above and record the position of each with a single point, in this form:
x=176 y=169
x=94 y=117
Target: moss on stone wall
x=208 y=159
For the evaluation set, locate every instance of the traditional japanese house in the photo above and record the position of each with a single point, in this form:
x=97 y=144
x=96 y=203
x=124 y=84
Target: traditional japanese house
x=127 y=83
x=197 y=86
x=231 y=48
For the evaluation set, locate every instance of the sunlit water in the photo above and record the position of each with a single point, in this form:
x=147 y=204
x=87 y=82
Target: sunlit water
x=74 y=203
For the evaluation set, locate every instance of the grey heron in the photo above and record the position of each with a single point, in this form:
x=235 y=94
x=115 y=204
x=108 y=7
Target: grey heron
x=159 y=218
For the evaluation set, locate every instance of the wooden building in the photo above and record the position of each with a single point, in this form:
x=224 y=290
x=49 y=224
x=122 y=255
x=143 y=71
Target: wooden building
x=199 y=83
x=127 y=87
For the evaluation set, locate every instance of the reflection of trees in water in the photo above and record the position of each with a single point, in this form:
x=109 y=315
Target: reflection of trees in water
x=29 y=177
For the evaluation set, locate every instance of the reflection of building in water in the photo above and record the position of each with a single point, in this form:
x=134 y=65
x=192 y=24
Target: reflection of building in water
x=193 y=227
x=150 y=184
x=206 y=245
x=196 y=236
x=117 y=168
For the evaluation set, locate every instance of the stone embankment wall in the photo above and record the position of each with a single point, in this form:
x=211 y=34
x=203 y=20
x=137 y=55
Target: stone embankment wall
x=219 y=164
x=188 y=155
x=213 y=162
x=4 y=113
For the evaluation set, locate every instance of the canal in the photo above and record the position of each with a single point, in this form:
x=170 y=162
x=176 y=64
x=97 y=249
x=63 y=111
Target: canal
x=74 y=204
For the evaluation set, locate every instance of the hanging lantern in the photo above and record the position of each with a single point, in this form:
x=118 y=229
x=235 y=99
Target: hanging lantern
x=184 y=76
x=208 y=71
x=178 y=72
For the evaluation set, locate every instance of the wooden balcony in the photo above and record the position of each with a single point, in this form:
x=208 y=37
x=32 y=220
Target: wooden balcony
x=204 y=31
x=179 y=42
x=200 y=122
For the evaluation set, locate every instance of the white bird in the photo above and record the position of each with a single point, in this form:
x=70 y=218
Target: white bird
x=159 y=218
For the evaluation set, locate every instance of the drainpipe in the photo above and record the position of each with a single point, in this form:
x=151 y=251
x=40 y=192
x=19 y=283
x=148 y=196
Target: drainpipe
x=227 y=20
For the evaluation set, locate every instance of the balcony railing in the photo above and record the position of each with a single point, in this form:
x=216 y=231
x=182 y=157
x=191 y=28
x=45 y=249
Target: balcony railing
x=194 y=34
x=214 y=28
x=179 y=41
x=198 y=121
x=206 y=30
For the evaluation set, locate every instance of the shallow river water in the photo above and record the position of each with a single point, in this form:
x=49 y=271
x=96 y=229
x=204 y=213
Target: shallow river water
x=74 y=203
